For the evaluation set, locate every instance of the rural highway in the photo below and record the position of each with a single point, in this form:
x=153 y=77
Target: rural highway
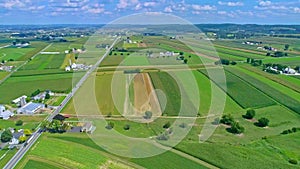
x=34 y=137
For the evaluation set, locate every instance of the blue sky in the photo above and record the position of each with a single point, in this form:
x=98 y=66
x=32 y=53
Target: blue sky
x=105 y=11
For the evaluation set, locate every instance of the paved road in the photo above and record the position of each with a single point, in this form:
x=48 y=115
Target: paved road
x=16 y=69
x=22 y=151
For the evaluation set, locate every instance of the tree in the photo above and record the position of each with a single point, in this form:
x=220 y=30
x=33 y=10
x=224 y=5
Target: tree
x=249 y=114
x=110 y=125
x=181 y=53
x=19 y=123
x=183 y=125
x=278 y=54
x=236 y=128
x=6 y=136
x=185 y=61
x=268 y=54
x=167 y=125
x=47 y=96
x=22 y=139
x=27 y=132
x=233 y=63
x=126 y=127
x=227 y=119
x=263 y=122
x=286 y=47
x=248 y=60
x=148 y=115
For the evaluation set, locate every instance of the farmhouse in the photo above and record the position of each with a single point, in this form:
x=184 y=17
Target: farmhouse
x=18 y=100
x=289 y=70
x=15 y=139
x=88 y=127
x=30 y=108
x=5 y=114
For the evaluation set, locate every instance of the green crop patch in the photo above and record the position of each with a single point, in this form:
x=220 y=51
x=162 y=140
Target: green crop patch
x=280 y=97
x=240 y=91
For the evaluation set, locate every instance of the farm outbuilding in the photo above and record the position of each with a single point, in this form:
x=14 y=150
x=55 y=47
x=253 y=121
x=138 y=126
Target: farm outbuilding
x=30 y=108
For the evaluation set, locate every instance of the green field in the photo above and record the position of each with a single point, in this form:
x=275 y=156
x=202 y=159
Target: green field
x=13 y=53
x=78 y=151
x=29 y=122
x=42 y=62
x=28 y=84
x=243 y=93
x=277 y=94
x=163 y=81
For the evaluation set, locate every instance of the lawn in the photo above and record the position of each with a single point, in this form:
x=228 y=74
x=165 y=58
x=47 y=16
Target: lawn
x=29 y=122
x=243 y=93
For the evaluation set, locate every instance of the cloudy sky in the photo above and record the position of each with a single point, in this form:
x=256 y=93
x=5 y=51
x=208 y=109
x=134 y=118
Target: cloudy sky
x=105 y=11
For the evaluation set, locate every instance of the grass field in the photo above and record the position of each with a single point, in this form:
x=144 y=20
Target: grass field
x=29 y=122
x=168 y=85
x=62 y=153
x=42 y=62
x=28 y=84
x=272 y=92
x=288 y=61
x=243 y=93
x=13 y=53
x=284 y=80
x=78 y=151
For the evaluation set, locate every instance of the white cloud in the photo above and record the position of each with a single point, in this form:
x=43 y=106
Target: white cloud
x=125 y=3
x=203 y=8
x=231 y=3
x=296 y=10
x=265 y=3
x=168 y=9
x=149 y=4
x=9 y=4
x=36 y=8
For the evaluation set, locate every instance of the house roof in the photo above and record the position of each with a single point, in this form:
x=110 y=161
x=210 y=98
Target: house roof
x=6 y=114
x=32 y=106
x=17 y=135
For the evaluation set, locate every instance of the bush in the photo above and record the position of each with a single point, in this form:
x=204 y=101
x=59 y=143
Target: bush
x=167 y=125
x=233 y=63
x=236 y=128
x=293 y=161
x=110 y=125
x=263 y=122
x=227 y=119
x=19 y=123
x=183 y=125
x=148 y=115
x=249 y=114
x=163 y=136
x=126 y=127
x=6 y=136
x=47 y=96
